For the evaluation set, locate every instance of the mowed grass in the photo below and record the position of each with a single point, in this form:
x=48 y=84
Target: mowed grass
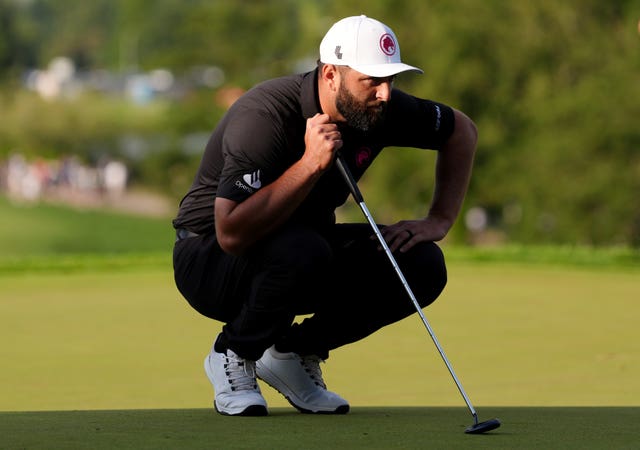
x=87 y=330
x=113 y=359
x=99 y=350
x=516 y=335
x=363 y=428
x=33 y=230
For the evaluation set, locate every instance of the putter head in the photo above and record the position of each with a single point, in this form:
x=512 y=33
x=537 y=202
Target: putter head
x=483 y=427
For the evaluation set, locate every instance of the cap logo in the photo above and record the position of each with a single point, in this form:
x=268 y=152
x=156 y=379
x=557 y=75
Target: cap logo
x=337 y=52
x=387 y=45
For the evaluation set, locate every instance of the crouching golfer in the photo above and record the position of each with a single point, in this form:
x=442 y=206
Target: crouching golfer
x=257 y=238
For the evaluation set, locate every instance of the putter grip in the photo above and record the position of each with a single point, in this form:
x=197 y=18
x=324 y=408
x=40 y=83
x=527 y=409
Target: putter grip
x=348 y=178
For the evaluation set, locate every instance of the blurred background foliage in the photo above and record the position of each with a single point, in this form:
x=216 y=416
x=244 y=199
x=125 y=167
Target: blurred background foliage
x=554 y=88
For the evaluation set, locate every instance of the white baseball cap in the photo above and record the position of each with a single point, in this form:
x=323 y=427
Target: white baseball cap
x=364 y=44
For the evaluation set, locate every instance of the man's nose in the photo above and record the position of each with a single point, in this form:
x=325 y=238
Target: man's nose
x=383 y=92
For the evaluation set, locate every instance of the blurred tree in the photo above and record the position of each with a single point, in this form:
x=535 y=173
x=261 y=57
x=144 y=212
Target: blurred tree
x=14 y=49
x=553 y=87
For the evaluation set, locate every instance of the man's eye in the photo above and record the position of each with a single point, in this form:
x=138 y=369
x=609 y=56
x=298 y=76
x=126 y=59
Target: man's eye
x=378 y=81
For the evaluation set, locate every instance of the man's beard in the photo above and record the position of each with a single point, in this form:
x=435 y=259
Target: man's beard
x=358 y=115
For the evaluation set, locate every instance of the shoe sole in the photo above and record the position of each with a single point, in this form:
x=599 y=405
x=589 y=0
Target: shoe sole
x=250 y=411
x=342 y=409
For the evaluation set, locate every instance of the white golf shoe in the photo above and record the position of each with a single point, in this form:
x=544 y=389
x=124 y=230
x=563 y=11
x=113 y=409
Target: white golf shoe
x=299 y=379
x=234 y=381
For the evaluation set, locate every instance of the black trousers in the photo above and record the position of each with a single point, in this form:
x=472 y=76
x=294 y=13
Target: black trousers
x=340 y=278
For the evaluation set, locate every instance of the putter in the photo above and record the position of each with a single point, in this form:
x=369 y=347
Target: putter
x=477 y=427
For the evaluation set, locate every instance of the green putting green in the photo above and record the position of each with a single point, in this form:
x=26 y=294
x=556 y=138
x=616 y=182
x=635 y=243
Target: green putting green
x=516 y=335
x=362 y=428
x=104 y=353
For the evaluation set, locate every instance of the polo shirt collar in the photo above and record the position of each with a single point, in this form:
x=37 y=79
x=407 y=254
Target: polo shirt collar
x=309 y=99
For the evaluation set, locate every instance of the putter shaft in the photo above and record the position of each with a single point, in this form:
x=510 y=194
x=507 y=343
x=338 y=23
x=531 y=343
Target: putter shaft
x=357 y=195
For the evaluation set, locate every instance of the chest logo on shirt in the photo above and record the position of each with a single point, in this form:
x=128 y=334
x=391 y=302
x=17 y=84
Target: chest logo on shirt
x=363 y=156
x=253 y=179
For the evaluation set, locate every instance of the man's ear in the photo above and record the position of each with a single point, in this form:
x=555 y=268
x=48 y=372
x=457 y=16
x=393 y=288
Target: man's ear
x=330 y=76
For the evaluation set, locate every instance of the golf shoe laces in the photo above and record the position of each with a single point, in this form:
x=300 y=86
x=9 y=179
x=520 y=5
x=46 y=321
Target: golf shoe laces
x=311 y=365
x=240 y=373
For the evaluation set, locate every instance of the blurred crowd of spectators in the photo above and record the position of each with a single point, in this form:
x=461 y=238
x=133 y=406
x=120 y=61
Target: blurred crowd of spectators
x=61 y=79
x=64 y=179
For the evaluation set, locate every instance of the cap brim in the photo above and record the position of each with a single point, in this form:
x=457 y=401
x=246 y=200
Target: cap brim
x=385 y=70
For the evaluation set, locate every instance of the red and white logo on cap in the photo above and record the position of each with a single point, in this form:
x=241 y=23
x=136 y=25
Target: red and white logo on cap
x=387 y=44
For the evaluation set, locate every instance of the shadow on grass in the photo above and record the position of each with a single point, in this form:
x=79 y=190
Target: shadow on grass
x=370 y=428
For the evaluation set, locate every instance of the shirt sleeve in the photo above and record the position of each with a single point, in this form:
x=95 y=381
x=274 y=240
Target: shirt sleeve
x=252 y=151
x=416 y=122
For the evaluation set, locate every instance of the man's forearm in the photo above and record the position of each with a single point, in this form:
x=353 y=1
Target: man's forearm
x=453 y=170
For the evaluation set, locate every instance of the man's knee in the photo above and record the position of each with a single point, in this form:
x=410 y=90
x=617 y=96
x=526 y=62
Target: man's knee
x=426 y=272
